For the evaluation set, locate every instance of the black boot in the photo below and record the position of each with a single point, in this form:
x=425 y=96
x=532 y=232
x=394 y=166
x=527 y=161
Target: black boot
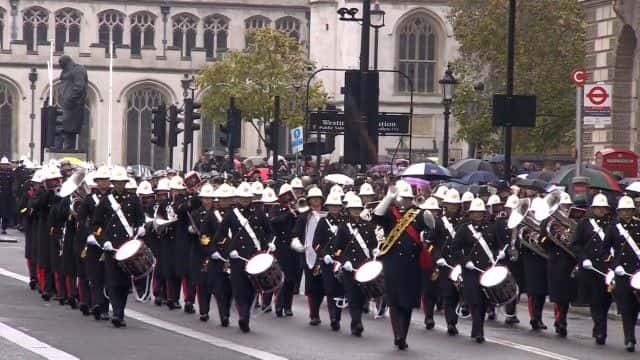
x=244 y=326
x=452 y=330
x=188 y=308
x=429 y=323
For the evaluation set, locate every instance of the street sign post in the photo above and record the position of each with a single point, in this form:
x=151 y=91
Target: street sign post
x=597 y=105
x=578 y=78
x=297 y=140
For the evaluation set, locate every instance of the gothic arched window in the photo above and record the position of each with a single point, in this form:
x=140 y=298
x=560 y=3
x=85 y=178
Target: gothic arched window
x=418 y=53
x=6 y=119
x=140 y=102
x=35 y=22
x=111 y=26
x=216 y=33
x=290 y=26
x=2 y=12
x=254 y=23
x=67 y=28
x=142 y=31
x=185 y=27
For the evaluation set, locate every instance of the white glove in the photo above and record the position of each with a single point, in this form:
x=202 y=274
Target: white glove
x=375 y=252
x=382 y=207
x=296 y=245
x=365 y=215
x=271 y=247
x=347 y=266
x=191 y=230
x=441 y=262
x=470 y=265
x=620 y=271
x=141 y=232
x=501 y=255
x=586 y=264
x=234 y=254
x=392 y=192
x=108 y=246
x=327 y=259
x=91 y=240
x=216 y=256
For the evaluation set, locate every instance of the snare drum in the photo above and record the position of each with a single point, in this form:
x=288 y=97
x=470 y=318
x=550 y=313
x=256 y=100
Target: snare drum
x=135 y=258
x=499 y=285
x=264 y=273
x=371 y=279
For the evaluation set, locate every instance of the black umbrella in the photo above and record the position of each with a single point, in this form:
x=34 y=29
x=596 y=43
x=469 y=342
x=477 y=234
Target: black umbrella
x=467 y=166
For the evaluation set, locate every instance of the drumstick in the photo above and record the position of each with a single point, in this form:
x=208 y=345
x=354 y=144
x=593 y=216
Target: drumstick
x=503 y=250
x=598 y=271
x=240 y=257
x=478 y=269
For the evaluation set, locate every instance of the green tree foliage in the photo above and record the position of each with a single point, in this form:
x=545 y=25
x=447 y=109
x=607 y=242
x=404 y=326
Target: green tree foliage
x=272 y=64
x=549 y=44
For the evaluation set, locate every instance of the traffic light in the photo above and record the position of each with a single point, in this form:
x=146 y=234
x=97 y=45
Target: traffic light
x=53 y=125
x=270 y=135
x=176 y=118
x=229 y=132
x=159 y=126
x=192 y=119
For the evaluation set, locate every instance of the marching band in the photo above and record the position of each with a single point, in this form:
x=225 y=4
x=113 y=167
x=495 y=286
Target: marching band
x=93 y=236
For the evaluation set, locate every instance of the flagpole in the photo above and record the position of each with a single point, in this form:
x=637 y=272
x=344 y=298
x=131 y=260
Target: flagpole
x=50 y=70
x=110 y=122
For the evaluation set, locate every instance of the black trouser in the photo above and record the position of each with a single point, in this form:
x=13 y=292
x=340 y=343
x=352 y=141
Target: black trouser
x=511 y=308
x=98 y=300
x=204 y=292
x=265 y=300
x=536 y=304
x=332 y=289
x=478 y=312
x=450 y=305
x=561 y=311
x=314 y=290
x=400 y=321
x=356 y=299
x=628 y=306
x=222 y=293
x=284 y=299
x=159 y=285
x=429 y=298
x=173 y=288
x=190 y=284
x=118 y=295
x=599 y=311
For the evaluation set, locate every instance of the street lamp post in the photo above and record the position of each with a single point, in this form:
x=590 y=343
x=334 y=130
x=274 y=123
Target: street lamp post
x=377 y=22
x=448 y=82
x=33 y=77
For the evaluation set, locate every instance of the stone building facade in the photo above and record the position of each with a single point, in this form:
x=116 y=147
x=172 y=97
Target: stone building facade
x=158 y=42
x=612 y=58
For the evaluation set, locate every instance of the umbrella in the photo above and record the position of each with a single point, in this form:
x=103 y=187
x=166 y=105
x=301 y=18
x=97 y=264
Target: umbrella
x=598 y=177
x=466 y=166
x=497 y=159
x=384 y=169
x=270 y=159
x=536 y=184
x=462 y=188
x=480 y=177
x=634 y=187
x=255 y=160
x=542 y=175
x=628 y=181
x=421 y=184
x=427 y=171
x=340 y=179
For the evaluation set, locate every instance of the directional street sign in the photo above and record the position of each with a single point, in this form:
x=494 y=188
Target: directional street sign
x=578 y=77
x=597 y=105
x=297 y=139
x=332 y=122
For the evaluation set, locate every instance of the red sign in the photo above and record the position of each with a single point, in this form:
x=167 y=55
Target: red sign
x=597 y=95
x=578 y=77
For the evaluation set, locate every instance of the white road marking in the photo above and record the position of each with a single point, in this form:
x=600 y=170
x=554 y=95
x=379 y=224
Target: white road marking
x=32 y=344
x=515 y=345
x=197 y=335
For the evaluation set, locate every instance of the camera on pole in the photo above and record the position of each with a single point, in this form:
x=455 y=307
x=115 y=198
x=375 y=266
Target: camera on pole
x=159 y=126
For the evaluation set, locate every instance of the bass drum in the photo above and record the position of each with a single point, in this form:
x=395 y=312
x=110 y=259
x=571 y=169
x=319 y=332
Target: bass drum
x=635 y=284
x=499 y=285
x=135 y=258
x=371 y=279
x=264 y=273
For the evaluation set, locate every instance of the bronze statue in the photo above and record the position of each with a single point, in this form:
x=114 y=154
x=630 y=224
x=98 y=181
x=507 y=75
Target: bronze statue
x=73 y=92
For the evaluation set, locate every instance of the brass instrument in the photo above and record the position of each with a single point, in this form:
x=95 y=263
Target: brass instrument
x=419 y=200
x=529 y=232
x=401 y=225
x=160 y=224
x=301 y=205
x=76 y=187
x=560 y=226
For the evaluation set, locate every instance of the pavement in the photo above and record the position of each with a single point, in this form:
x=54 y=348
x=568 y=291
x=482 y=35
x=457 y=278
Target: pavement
x=33 y=329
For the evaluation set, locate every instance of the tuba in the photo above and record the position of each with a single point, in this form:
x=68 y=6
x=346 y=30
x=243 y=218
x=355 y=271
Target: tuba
x=560 y=226
x=76 y=187
x=301 y=205
x=529 y=233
